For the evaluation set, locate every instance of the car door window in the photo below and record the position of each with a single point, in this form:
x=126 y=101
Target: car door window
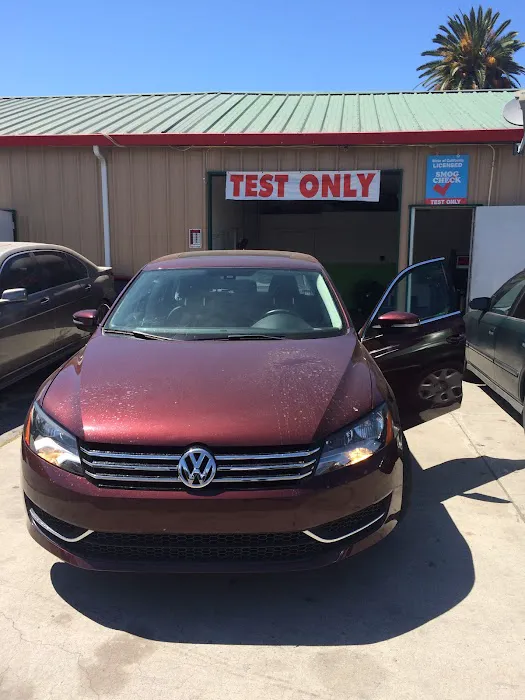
x=519 y=311
x=54 y=269
x=425 y=291
x=78 y=268
x=505 y=297
x=21 y=271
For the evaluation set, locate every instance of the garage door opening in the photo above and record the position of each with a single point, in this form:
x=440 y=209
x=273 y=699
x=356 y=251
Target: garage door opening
x=444 y=232
x=358 y=242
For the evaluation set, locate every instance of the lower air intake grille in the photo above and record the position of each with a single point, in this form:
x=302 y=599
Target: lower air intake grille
x=266 y=547
x=280 y=546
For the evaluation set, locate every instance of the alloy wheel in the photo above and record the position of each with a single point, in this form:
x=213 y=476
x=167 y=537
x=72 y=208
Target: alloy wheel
x=441 y=387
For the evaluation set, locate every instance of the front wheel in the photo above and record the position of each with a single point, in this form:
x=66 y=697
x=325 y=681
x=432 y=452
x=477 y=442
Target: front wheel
x=438 y=387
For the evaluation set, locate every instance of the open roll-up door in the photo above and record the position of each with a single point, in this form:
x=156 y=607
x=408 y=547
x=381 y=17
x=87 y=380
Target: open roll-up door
x=498 y=248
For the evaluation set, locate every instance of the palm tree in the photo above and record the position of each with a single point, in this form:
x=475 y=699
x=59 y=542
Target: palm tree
x=473 y=54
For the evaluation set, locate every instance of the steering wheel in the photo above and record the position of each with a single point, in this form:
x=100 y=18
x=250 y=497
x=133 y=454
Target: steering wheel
x=173 y=311
x=272 y=312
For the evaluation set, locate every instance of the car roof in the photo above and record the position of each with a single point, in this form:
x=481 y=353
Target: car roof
x=9 y=247
x=237 y=258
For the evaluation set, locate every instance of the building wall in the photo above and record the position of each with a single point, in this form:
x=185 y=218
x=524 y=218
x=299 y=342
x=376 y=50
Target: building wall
x=157 y=194
x=56 y=194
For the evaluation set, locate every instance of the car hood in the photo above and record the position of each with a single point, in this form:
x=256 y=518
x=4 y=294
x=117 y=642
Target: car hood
x=125 y=390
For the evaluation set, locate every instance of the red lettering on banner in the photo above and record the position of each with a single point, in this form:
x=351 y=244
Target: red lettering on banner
x=266 y=187
x=250 y=189
x=236 y=180
x=311 y=191
x=281 y=181
x=347 y=189
x=366 y=181
x=334 y=186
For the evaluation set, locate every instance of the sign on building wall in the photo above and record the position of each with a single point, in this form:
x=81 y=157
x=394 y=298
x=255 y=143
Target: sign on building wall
x=356 y=185
x=195 y=238
x=447 y=180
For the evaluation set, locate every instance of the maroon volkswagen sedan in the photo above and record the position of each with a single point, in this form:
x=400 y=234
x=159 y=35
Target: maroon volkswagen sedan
x=224 y=415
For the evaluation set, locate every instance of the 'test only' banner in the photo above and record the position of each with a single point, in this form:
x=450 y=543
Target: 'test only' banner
x=356 y=185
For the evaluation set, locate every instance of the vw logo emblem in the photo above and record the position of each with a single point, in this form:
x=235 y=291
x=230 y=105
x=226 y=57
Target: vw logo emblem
x=197 y=468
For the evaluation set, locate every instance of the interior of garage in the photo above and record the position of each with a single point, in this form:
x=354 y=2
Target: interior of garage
x=445 y=232
x=358 y=242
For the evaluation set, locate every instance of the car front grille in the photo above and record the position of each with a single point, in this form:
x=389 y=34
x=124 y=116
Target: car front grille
x=158 y=469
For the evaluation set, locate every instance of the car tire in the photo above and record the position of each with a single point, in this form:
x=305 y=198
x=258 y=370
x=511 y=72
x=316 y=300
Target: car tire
x=437 y=387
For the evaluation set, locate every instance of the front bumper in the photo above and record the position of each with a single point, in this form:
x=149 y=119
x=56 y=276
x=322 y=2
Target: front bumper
x=324 y=521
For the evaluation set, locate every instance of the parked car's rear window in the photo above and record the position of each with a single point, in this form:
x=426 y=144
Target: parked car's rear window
x=78 y=267
x=218 y=302
x=54 y=268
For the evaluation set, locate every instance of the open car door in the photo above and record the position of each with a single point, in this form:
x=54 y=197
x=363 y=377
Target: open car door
x=416 y=334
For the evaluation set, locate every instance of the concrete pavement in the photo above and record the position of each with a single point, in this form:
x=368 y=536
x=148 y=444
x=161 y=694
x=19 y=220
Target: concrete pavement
x=434 y=611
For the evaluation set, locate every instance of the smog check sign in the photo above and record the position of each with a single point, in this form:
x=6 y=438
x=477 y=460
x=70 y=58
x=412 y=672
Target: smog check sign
x=447 y=180
x=356 y=185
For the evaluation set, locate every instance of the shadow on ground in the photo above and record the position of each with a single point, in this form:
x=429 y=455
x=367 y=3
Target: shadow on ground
x=503 y=404
x=16 y=399
x=416 y=574
x=472 y=379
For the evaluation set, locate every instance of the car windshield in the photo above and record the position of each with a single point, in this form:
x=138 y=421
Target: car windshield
x=227 y=303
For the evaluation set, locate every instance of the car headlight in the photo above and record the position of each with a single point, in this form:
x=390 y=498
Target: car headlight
x=358 y=441
x=51 y=442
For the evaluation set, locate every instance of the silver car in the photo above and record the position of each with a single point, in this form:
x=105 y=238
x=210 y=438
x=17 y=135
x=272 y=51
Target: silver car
x=41 y=287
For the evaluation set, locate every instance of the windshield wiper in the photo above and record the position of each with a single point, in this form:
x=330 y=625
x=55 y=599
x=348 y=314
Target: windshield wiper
x=253 y=336
x=136 y=334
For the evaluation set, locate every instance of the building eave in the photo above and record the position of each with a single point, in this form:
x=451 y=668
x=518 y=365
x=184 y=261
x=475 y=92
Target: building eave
x=205 y=140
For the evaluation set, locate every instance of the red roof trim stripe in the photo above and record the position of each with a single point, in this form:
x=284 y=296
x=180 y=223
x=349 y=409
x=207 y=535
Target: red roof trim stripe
x=388 y=138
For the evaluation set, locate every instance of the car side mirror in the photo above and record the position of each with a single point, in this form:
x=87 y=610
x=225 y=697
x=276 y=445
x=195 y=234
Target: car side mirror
x=480 y=304
x=398 y=320
x=13 y=296
x=86 y=319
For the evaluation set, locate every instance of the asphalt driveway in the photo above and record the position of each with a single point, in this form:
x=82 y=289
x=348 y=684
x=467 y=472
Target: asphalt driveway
x=434 y=611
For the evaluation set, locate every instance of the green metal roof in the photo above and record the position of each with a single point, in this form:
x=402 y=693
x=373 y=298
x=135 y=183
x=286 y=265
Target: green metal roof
x=254 y=113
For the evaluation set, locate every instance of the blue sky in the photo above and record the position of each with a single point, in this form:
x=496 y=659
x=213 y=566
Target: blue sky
x=112 y=46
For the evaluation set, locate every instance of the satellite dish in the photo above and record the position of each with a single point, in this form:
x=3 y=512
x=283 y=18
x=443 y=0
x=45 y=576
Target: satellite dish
x=512 y=112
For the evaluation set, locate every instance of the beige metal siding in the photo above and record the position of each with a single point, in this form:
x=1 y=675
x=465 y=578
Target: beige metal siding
x=56 y=194
x=157 y=194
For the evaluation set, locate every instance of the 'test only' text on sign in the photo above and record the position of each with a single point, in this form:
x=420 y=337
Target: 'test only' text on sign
x=357 y=185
